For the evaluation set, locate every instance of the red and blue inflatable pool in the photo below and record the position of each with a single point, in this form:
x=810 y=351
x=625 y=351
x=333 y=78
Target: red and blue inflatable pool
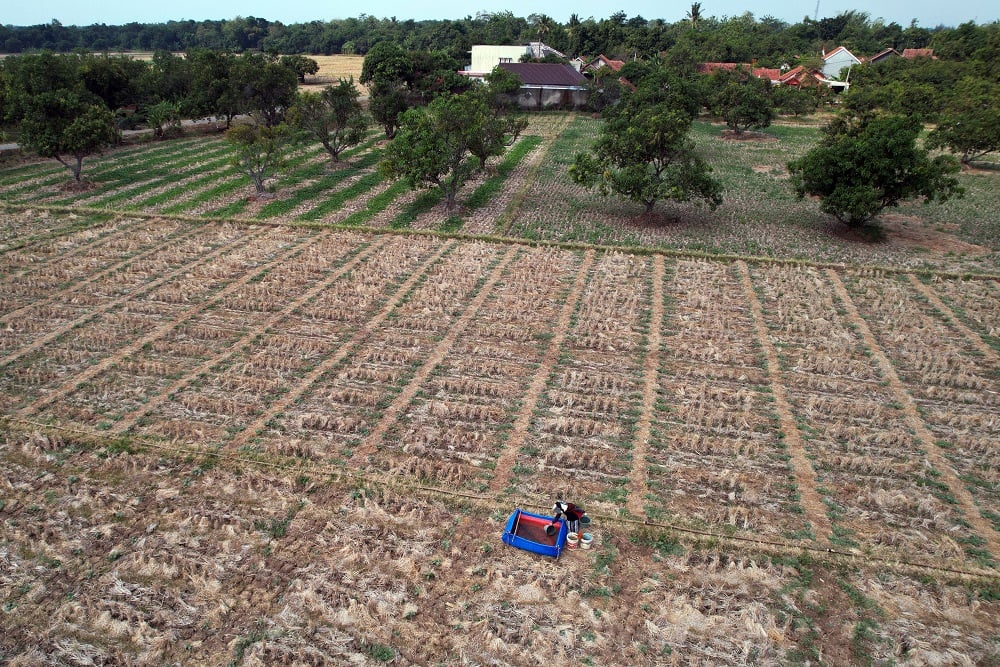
x=526 y=530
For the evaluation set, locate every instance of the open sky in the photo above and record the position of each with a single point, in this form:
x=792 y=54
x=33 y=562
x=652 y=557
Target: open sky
x=928 y=13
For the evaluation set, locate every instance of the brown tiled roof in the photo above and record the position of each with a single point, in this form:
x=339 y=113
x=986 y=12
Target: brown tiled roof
x=918 y=53
x=546 y=74
x=708 y=68
x=769 y=73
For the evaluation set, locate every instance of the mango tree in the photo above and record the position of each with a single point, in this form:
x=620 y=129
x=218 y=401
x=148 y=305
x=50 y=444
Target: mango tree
x=55 y=115
x=434 y=145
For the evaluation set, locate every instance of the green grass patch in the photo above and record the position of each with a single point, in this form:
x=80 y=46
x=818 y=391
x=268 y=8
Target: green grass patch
x=423 y=203
x=377 y=204
x=337 y=200
x=491 y=186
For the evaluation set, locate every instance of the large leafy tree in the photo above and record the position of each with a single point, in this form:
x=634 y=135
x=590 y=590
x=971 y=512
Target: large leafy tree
x=643 y=151
x=333 y=117
x=434 y=145
x=387 y=103
x=970 y=124
x=500 y=95
x=385 y=71
x=266 y=88
x=741 y=99
x=56 y=116
x=301 y=65
x=386 y=61
x=867 y=163
x=213 y=89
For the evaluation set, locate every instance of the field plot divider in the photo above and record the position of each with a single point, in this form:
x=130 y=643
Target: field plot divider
x=651 y=379
x=923 y=434
x=519 y=431
x=129 y=421
x=372 y=441
x=106 y=363
x=506 y=219
x=953 y=321
x=69 y=326
x=174 y=238
x=342 y=352
x=805 y=476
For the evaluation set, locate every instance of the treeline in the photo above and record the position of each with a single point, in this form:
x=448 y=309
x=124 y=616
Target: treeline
x=743 y=38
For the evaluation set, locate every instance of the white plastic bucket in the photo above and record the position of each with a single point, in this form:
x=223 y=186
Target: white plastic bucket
x=572 y=539
x=586 y=540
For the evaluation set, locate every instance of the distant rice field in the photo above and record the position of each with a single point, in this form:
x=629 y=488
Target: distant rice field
x=336 y=67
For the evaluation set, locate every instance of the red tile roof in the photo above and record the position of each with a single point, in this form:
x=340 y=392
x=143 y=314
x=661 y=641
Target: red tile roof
x=708 y=68
x=918 y=53
x=798 y=75
x=769 y=73
x=613 y=64
x=836 y=50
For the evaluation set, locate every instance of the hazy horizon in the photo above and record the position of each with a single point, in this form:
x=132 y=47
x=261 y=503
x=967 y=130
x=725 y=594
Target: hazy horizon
x=118 y=12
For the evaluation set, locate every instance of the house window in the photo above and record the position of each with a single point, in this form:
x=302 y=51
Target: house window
x=506 y=60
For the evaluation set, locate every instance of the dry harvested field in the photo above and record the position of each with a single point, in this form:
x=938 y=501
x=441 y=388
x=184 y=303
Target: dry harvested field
x=228 y=443
x=275 y=431
x=332 y=68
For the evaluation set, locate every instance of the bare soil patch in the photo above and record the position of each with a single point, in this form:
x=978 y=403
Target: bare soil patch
x=83 y=185
x=911 y=231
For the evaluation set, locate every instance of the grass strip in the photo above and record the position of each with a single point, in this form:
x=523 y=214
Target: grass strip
x=19 y=173
x=339 y=198
x=377 y=204
x=128 y=193
x=488 y=188
x=126 y=181
x=236 y=182
x=314 y=190
x=424 y=202
x=230 y=210
x=174 y=193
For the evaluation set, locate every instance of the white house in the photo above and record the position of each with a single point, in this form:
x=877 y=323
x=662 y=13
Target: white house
x=487 y=56
x=837 y=60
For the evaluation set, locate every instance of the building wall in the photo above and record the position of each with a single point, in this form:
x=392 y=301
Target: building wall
x=837 y=62
x=486 y=57
x=538 y=98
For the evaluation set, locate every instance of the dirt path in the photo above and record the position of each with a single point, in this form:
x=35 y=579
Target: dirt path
x=114 y=303
x=805 y=478
x=162 y=330
x=651 y=381
x=519 y=431
x=952 y=320
x=343 y=351
x=925 y=439
x=374 y=439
